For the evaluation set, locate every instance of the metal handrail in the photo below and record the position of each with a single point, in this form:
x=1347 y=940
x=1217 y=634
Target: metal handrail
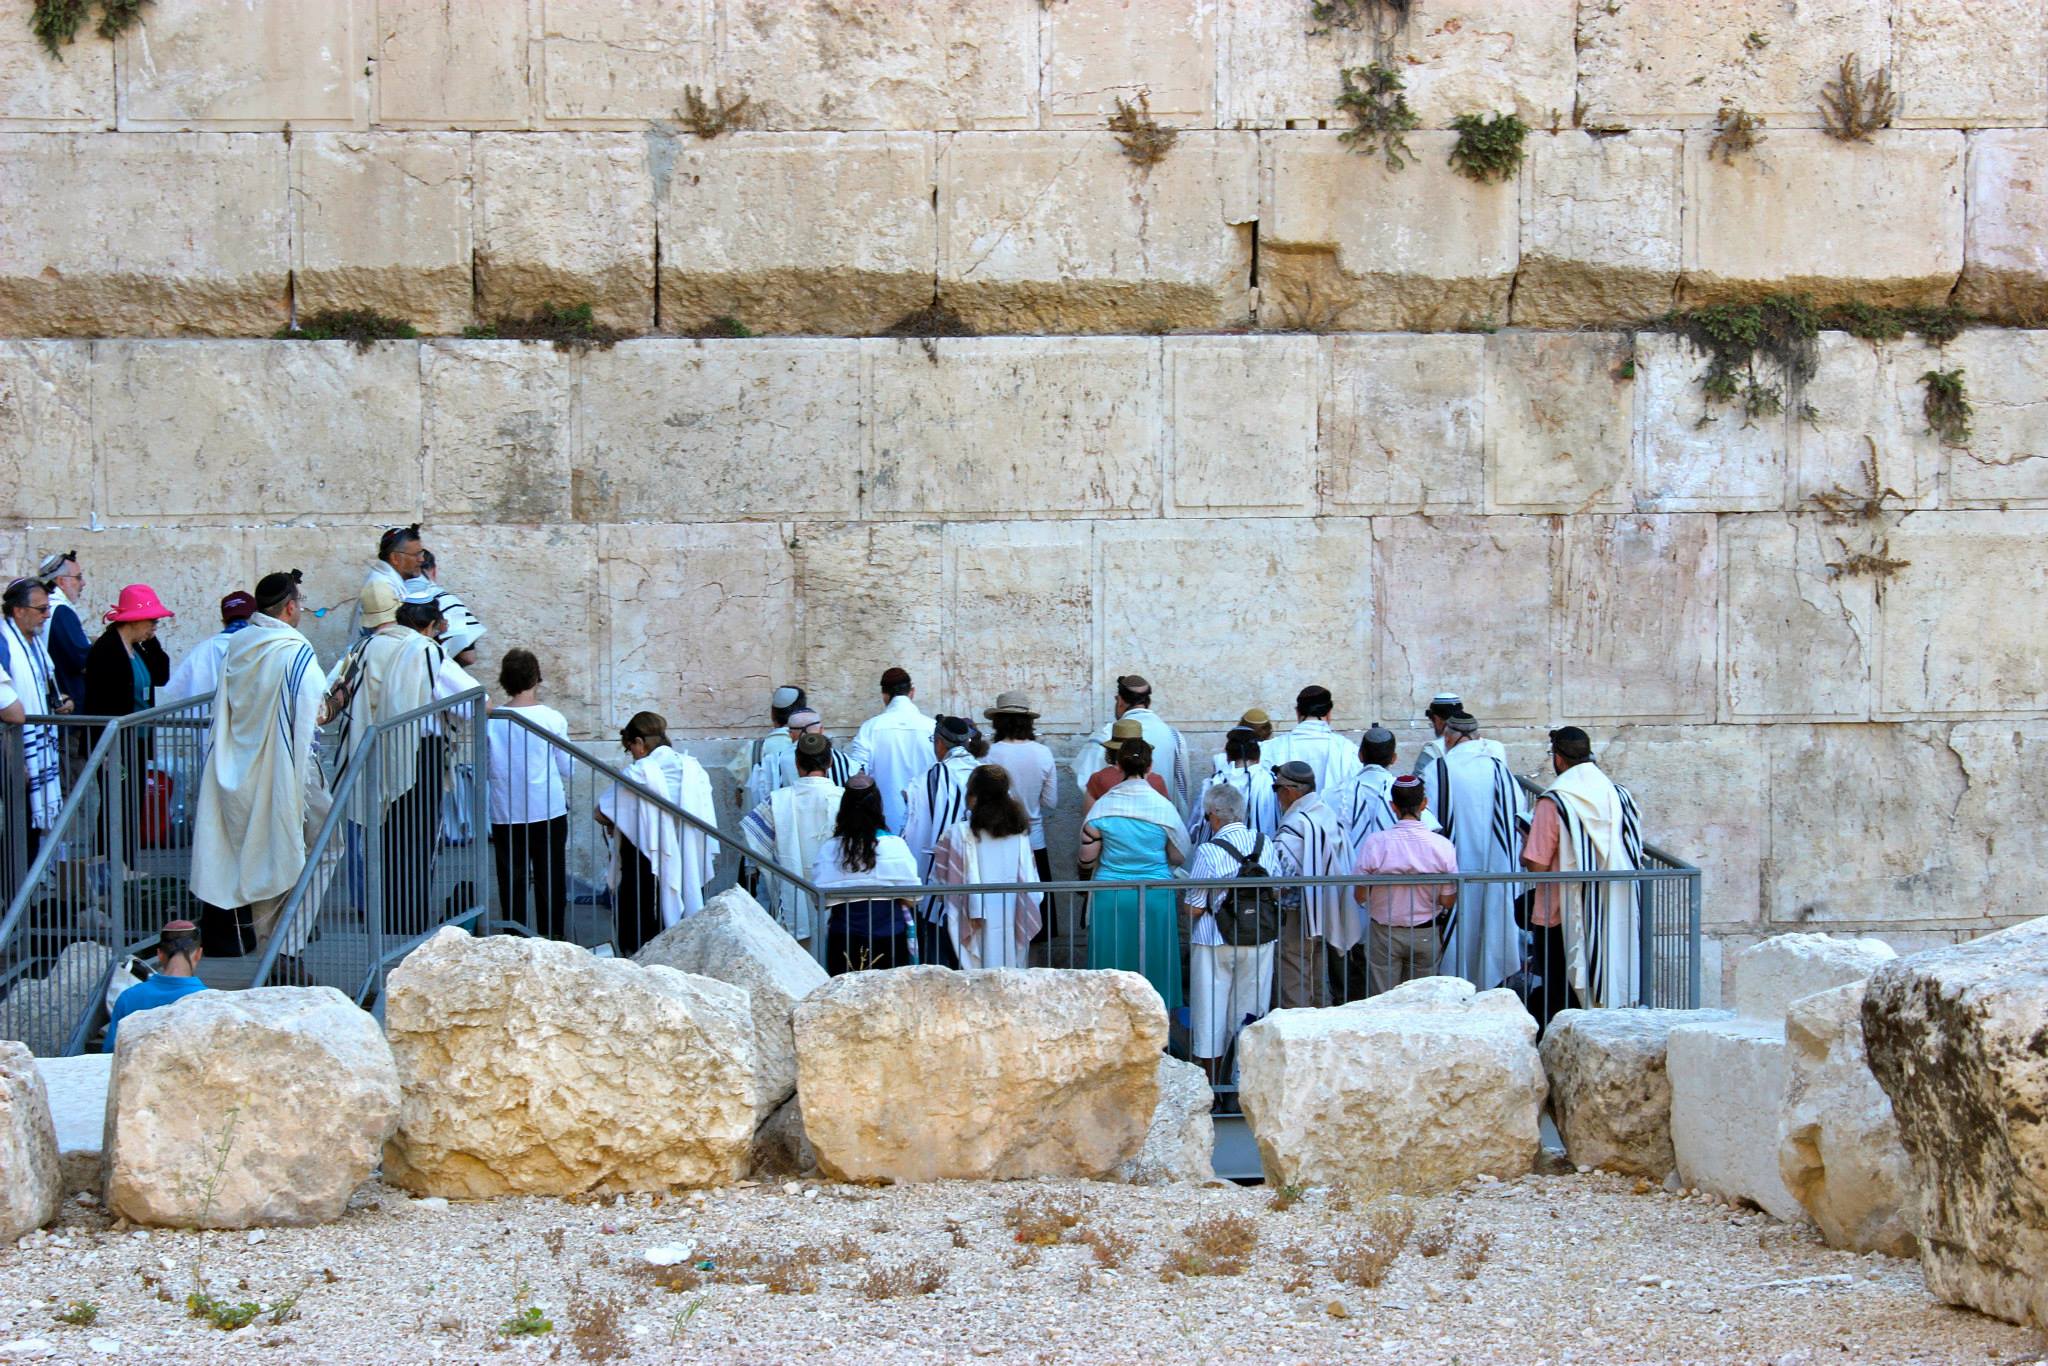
x=1534 y=789
x=353 y=765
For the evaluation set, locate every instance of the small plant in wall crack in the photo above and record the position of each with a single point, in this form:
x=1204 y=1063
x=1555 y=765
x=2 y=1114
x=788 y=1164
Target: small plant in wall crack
x=1379 y=113
x=1144 y=140
x=1489 y=147
x=710 y=119
x=1947 y=405
x=1853 y=107
x=1735 y=131
x=55 y=23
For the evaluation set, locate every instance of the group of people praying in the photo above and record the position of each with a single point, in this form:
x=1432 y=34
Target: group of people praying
x=1233 y=885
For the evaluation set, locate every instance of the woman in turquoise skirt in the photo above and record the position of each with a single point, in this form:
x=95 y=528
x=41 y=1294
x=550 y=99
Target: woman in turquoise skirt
x=1130 y=833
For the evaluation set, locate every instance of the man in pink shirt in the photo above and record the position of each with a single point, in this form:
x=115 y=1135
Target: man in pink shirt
x=1402 y=942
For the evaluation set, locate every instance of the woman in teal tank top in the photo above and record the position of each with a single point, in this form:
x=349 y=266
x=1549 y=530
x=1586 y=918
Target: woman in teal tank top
x=1131 y=833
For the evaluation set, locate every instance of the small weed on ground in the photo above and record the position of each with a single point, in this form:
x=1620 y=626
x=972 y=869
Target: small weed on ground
x=1365 y=1258
x=919 y=1277
x=594 y=1328
x=1852 y=107
x=1111 y=1249
x=1145 y=141
x=1473 y=1256
x=1042 y=1220
x=1489 y=147
x=715 y=117
x=1286 y=1195
x=1379 y=113
x=1436 y=1240
x=359 y=327
x=223 y=1314
x=80 y=1313
x=1947 y=406
x=529 y=1322
x=570 y=329
x=1219 y=1245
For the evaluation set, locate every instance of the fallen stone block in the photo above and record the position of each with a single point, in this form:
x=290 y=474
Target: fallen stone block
x=924 y=1074
x=78 y=1106
x=733 y=940
x=30 y=1188
x=1771 y=975
x=1727 y=1084
x=242 y=1108
x=1608 y=1089
x=1958 y=1039
x=1180 y=1145
x=532 y=1067
x=1838 y=1145
x=1414 y=1091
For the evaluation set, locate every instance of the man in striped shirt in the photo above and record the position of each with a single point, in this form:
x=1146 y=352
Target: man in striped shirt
x=1402 y=941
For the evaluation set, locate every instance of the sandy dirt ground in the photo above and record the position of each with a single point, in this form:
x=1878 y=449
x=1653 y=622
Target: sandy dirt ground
x=1547 y=1269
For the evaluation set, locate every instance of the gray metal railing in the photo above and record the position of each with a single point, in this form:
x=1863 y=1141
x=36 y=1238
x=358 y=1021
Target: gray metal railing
x=110 y=869
x=399 y=855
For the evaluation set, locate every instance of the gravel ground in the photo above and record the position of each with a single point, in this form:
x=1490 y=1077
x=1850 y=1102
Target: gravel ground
x=1583 y=1268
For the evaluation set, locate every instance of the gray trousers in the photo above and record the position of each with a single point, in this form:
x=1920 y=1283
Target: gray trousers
x=1303 y=977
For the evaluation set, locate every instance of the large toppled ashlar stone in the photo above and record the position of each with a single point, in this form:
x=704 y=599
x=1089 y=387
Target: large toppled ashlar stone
x=1416 y=1091
x=1958 y=1038
x=30 y=1188
x=924 y=1074
x=1181 y=1143
x=1608 y=1089
x=1838 y=1145
x=234 y=1109
x=77 y=1088
x=1728 y=1078
x=532 y=1067
x=733 y=940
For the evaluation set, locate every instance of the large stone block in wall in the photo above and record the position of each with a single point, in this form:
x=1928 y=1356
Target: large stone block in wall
x=679 y=431
x=1860 y=443
x=1639 y=599
x=937 y=64
x=45 y=430
x=1981 y=63
x=1457 y=56
x=1020 y=611
x=334 y=557
x=382 y=221
x=229 y=431
x=606 y=62
x=513 y=578
x=451 y=64
x=1345 y=243
x=1490 y=637
x=1702 y=456
x=160 y=234
x=1880 y=221
x=40 y=91
x=1241 y=423
x=198 y=63
x=798 y=232
x=1798 y=634
x=2005 y=238
x=701 y=621
x=1013 y=427
x=1647 y=63
x=1559 y=417
x=1700 y=790
x=1600 y=229
x=1961 y=613
x=1179 y=595
x=871 y=599
x=565 y=219
x=1060 y=232
x=2006 y=373
x=191 y=569
x=1403 y=423
x=497 y=425
x=1095 y=52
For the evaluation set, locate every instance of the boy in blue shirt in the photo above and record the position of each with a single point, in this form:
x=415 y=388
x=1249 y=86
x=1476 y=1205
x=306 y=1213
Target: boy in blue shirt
x=177 y=975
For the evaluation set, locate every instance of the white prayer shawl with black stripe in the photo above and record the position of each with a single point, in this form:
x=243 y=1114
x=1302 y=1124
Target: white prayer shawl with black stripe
x=1483 y=816
x=1431 y=772
x=1255 y=784
x=933 y=804
x=1311 y=844
x=1363 y=804
x=28 y=663
x=680 y=855
x=1599 y=831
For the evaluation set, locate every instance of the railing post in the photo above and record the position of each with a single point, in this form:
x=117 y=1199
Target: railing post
x=479 y=813
x=1643 y=901
x=1692 y=938
x=114 y=813
x=372 y=808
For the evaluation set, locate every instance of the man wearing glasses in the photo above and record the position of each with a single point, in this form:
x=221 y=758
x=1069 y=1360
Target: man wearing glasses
x=400 y=554
x=67 y=640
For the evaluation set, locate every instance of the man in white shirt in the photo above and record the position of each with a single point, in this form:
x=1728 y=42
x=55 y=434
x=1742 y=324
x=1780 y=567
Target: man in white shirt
x=1313 y=742
x=199 y=671
x=1169 y=750
x=790 y=824
x=894 y=748
x=1231 y=977
x=755 y=767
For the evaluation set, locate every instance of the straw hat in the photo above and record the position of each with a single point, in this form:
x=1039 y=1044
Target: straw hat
x=1120 y=732
x=1011 y=704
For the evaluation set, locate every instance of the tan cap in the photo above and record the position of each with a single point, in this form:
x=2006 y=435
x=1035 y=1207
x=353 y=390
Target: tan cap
x=380 y=603
x=1011 y=704
x=1255 y=717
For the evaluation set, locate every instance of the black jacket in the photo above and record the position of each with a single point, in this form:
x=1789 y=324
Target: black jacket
x=110 y=683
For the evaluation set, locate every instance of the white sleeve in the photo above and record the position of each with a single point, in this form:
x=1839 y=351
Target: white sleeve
x=8 y=696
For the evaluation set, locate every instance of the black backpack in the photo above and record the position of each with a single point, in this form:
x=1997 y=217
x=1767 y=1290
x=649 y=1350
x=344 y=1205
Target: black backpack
x=1249 y=915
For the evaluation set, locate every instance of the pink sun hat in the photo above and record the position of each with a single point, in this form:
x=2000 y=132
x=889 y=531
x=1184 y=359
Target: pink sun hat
x=138 y=603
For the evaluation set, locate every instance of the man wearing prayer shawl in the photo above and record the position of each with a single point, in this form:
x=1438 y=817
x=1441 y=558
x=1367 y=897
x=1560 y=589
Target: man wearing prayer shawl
x=400 y=554
x=1333 y=757
x=894 y=748
x=1241 y=766
x=1364 y=801
x=1482 y=814
x=790 y=823
x=754 y=765
x=659 y=863
x=65 y=637
x=779 y=769
x=1584 y=933
x=262 y=795
x=25 y=656
x=1310 y=844
x=1169 y=750
x=198 y=672
x=1441 y=708
x=936 y=801
x=1260 y=726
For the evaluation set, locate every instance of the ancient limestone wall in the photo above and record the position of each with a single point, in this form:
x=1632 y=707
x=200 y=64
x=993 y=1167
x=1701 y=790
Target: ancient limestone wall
x=1238 y=421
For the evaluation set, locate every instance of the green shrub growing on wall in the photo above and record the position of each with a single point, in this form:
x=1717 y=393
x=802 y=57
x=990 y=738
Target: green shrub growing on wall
x=1379 y=113
x=1489 y=147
